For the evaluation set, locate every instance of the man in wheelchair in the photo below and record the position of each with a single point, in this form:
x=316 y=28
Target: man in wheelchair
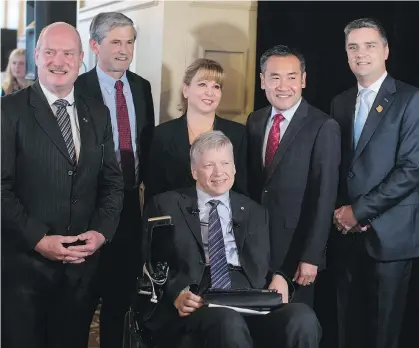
x=221 y=241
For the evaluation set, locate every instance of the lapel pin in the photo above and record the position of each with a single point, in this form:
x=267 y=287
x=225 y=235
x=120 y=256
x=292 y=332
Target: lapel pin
x=241 y=208
x=379 y=108
x=385 y=99
x=85 y=120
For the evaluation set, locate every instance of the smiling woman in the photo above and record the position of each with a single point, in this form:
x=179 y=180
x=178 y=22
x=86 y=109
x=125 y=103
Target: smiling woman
x=201 y=92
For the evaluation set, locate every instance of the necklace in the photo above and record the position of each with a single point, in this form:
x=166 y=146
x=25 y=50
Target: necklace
x=192 y=135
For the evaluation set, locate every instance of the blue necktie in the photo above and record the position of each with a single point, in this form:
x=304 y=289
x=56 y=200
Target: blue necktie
x=362 y=115
x=220 y=276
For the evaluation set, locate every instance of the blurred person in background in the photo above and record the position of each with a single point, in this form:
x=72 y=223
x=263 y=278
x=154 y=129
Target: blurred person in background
x=15 y=73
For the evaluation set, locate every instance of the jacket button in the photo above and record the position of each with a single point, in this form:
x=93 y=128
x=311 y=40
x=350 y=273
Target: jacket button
x=74 y=201
x=70 y=172
x=351 y=175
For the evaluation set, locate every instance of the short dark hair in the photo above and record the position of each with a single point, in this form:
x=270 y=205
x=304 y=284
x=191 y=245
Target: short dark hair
x=281 y=51
x=366 y=23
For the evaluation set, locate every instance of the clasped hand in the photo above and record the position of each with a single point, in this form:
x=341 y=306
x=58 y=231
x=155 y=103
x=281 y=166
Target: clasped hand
x=345 y=221
x=52 y=247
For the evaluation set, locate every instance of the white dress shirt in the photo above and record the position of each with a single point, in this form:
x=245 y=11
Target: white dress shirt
x=375 y=87
x=225 y=214
x=71 y=109
x=288 y=115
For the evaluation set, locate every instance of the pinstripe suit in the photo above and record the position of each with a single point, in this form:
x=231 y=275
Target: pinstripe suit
x=43 y=194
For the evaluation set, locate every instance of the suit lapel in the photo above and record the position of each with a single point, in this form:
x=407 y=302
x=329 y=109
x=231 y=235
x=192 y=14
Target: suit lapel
x=47 y=119
x=139 y=105
x=293 y=129
x=384 y=99
x=86 y=126
x=260 y=127
x=93 y=86
x=188 y=205
x=239 y=214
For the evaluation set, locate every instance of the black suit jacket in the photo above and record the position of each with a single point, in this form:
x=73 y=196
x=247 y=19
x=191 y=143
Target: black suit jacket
x=88 y=84
x=41 y=192
x=380 y=178
x=300 y=187
x=170 y=165
x=251 y=234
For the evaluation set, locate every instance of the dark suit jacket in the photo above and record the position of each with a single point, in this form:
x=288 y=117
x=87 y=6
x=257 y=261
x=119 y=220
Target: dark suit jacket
x=88 y=84
x=170 y=165
x=299 y=189
x=380 y=178
x=41 y=192
x=252 y=239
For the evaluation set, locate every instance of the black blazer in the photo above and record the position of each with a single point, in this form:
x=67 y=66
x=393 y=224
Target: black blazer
x=252 y=239
x=170 y=165
x=300 y=187
x=380 y=178
x=88 y=84
x=41 y=192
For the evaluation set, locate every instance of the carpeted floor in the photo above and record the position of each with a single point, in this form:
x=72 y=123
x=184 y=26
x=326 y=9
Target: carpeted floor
x=94 y=330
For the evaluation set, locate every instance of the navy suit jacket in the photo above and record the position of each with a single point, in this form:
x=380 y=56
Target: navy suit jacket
x=380 y=178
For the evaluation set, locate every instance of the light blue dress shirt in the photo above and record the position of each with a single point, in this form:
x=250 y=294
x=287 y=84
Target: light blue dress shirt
x=224 y=212
x=107 y=86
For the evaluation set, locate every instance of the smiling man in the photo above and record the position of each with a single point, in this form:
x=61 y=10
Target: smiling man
x=60 y=185
x=128 y=97
x=222 y=241
x=294 y=155
x=378 y=203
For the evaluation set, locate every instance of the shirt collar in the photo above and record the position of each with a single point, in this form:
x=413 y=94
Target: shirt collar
x=108 y=82
x=375 y=87
x=204 y=198
x=52 y=98
x=288 y=114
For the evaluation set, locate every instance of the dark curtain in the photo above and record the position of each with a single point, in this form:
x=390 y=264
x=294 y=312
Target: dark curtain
x=316 y=29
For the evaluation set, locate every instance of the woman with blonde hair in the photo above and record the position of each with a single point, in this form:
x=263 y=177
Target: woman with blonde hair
x=169 y=163
x=15 y=73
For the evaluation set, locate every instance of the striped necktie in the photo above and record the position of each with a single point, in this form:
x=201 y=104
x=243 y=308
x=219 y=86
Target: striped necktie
x=63 y=119
x=220 y=276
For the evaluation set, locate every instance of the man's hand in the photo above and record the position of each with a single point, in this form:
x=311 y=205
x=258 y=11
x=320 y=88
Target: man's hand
x=51 y=247
x=279 y=284
x=305 y=274
x=344 y=219
x=187 y=303
x=93 y=241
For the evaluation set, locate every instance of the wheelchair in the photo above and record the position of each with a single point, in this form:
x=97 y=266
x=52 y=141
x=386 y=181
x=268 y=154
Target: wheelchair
x=149 y=291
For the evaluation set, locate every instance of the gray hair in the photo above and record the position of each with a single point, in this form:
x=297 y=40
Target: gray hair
x=281 y=51
x=104 y=22
x=41 y=35
x=209 y=141
x=366 y=23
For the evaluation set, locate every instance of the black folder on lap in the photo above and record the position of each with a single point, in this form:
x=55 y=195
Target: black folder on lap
x=255 y=299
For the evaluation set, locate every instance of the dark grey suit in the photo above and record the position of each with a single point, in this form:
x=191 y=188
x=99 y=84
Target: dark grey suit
x=380 y=181
x=293 y=325
x=299 y=188
x=43 y=194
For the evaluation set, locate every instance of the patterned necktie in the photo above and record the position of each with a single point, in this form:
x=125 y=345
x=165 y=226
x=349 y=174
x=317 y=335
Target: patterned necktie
x=125 y=141
x=220 y=276
x=362 y=115
x=63 y=119
x=273 y=139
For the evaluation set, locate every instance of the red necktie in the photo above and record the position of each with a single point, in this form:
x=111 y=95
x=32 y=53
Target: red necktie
x=273 y=139
x=125 y=141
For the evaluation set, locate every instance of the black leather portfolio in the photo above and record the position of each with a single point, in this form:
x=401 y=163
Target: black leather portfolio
x=256 y=299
